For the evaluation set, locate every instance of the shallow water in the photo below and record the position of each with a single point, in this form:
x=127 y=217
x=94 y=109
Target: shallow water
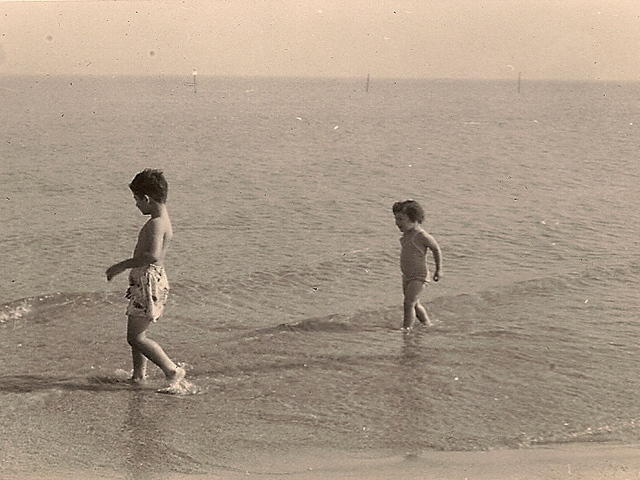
x=286 y=297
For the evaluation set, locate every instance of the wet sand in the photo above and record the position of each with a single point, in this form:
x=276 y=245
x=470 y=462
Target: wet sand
x=570 y=461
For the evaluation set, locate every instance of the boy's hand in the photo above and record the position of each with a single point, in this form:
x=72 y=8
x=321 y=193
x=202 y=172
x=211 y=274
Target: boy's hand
x=114 y=270
x=436 y=276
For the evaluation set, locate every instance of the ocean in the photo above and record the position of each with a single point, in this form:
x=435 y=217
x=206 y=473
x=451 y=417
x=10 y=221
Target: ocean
x=286 y=300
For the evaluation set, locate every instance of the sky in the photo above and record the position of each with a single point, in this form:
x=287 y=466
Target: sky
x=467 y=39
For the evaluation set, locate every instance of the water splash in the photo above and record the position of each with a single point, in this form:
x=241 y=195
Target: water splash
x=183 y=387
x=14 y=312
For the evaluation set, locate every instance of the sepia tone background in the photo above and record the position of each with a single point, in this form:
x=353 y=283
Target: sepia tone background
x=307 y=121
x=488 y=39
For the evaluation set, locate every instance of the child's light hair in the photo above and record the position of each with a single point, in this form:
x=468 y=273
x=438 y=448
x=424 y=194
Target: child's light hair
x=411 y=209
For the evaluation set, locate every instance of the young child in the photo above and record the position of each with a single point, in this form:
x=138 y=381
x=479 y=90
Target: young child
x=148 y=285
x=413 y=260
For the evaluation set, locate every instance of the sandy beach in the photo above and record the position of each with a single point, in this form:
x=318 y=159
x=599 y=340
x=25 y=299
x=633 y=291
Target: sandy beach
x=570 y=461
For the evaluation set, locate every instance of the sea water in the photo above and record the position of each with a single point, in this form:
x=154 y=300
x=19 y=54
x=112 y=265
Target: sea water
x=286 y=295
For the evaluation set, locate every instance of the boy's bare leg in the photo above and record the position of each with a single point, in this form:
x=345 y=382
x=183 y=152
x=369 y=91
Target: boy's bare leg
x=139 y=365
x=412 y=291
x=137 y=338
x=421 y=313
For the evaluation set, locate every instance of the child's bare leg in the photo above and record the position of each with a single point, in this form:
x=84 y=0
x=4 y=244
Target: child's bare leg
x=139 y=365
x=421 y=313
x=412 y=291
x=137 y=338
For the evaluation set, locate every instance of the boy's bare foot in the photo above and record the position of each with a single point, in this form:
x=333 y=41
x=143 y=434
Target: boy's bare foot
x=177 y=375
x=138 y=380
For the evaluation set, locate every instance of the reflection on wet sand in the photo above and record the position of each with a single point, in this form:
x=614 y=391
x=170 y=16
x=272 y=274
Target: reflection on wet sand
x=144 y=447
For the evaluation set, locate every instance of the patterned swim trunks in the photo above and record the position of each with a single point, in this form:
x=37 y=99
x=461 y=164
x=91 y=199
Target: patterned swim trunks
x=148 y=292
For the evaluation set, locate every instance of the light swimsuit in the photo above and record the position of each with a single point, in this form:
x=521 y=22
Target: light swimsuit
x=413 y=256
x=148 y=291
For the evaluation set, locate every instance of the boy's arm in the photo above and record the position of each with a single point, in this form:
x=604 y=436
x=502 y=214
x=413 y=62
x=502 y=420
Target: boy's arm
x=147 y=251
x=431 y=244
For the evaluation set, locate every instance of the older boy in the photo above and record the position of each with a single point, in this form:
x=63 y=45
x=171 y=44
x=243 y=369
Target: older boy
x=148 y=285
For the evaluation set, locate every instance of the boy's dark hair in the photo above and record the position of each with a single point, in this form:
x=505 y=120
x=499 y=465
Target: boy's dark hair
x=411 y=209
x=152 y=183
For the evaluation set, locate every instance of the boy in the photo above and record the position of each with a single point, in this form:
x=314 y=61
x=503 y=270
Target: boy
x=413 y=260
x=148 y=285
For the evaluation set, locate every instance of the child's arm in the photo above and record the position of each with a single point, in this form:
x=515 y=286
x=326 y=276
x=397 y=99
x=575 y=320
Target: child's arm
x=147 y=251
x=431 y=244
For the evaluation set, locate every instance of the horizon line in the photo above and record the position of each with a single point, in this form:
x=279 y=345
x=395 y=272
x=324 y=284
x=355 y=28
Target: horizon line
x=309 y=77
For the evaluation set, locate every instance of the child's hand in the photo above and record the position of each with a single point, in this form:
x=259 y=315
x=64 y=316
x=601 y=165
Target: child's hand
x=436 y=276
x=113 y=270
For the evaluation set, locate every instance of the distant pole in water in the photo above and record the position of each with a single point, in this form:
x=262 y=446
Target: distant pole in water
x=368 y=79
x=194 y=83
x=519 y=80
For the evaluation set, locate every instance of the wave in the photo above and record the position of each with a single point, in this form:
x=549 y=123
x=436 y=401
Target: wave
x=50 y=305
x=614 y=431
x=263 y=290
x=334 y=323
x=15 y=311
x=331 y=323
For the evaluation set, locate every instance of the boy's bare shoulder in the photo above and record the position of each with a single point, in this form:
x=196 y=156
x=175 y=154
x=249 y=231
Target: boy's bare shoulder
x=158 y=225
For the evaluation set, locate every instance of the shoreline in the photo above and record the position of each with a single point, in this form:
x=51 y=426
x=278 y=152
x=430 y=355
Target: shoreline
x=580 y=461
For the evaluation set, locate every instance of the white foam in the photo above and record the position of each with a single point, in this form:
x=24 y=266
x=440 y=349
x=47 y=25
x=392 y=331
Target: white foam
x=183 y=387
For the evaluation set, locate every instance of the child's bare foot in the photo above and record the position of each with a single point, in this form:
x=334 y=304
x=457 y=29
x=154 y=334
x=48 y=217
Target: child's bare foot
x=138 y=380
x=423 y=318
x=176 y=376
